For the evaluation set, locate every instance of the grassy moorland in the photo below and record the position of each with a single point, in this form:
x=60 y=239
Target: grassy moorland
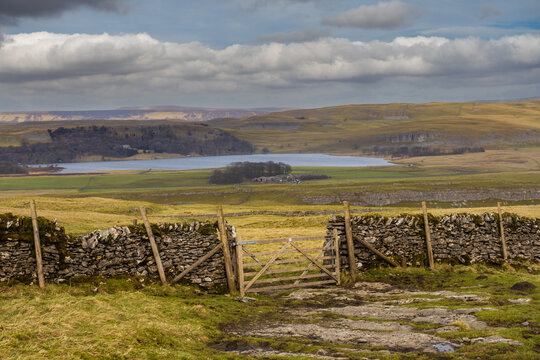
x=89 y=201
x=351 y=128
x=137 y=319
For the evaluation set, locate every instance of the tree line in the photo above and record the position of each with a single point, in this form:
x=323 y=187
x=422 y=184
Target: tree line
x=9 y=168
x=70 y=144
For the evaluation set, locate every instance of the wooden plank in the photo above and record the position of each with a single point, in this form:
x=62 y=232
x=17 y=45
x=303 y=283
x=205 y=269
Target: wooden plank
x=350 y=244
x=153 y=244
x=277 y=271
x=226 y=251
x=265 y=253
x=313 y=261
x=250 y=254
x=501 y=227
x=37 y=245
x=197 y=263
x=240 y=267
x=290 y=278
x=278 y=240
x=337 y=263
x=288 y=261
x=428 y=237
x=375 y=251
x=290 y=286
x=310 y=265
x=259 y=262
x=252 y=281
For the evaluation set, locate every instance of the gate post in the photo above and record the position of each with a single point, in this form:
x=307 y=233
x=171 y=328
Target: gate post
x=240 y=266
x=428 y=237
x=153 y=245
x=226 y=251
x=37 y=245
x=501 y=226
x=350 y=244
x=337 y=257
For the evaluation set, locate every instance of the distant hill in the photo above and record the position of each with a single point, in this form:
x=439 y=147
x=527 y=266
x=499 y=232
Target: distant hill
x=137 y=113
x=390 y=130
x=393 y=129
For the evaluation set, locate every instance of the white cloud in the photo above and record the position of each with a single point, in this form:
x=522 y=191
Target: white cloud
x=382 y=15
x=136 y=65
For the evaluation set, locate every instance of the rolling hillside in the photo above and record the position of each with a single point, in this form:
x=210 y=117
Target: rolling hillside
x=382 y=129
x=390 y=130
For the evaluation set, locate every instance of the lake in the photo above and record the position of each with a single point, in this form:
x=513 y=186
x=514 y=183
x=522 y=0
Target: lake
x=210 y=162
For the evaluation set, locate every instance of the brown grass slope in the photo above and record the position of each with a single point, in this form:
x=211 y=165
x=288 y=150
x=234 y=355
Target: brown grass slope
x=344 y=129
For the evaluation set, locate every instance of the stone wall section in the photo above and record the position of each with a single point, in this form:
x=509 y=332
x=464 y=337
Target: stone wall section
x=120 y=250
x=462 y=238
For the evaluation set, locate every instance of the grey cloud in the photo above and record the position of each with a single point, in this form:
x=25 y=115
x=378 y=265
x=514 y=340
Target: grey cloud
x=382 y=15
x=12 y=10
x=138 y=65
x=310 y=34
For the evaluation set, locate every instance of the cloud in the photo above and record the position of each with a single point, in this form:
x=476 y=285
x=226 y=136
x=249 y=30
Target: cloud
x=138 y=66
x=387 y=15
x=309 y=34
x=12 y=10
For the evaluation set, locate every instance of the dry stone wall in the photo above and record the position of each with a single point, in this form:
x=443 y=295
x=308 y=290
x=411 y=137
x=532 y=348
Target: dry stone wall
x=462 y=238
x=117 y=251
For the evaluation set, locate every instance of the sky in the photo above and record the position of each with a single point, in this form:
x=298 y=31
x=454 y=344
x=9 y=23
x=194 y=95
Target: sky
x=106 y=54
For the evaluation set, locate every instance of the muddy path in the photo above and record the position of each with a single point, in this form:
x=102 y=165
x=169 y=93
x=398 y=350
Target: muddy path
x=372 y=320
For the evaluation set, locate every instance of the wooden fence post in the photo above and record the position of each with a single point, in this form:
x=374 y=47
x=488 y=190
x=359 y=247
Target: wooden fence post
x=37 y=245
x=226 y=251
x=501 y=226
x=240 y=267
x=153 y=244
x=350 y=244
x=428 y=237
x=337 y=257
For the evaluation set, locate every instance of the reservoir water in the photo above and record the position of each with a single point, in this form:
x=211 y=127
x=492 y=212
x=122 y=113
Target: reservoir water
x=210 y=162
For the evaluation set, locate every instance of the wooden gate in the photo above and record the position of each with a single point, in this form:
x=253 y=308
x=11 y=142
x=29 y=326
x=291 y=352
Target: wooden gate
x=280 y=264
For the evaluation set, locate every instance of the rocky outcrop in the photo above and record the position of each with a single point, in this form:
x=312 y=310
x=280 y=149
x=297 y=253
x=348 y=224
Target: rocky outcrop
x=462 y=238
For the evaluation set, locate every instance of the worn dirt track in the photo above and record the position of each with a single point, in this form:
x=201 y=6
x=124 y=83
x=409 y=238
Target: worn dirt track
x=371 y=316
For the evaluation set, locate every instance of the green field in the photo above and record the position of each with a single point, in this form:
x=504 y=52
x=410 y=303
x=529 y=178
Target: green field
x=139 y=319
x=83 y=203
